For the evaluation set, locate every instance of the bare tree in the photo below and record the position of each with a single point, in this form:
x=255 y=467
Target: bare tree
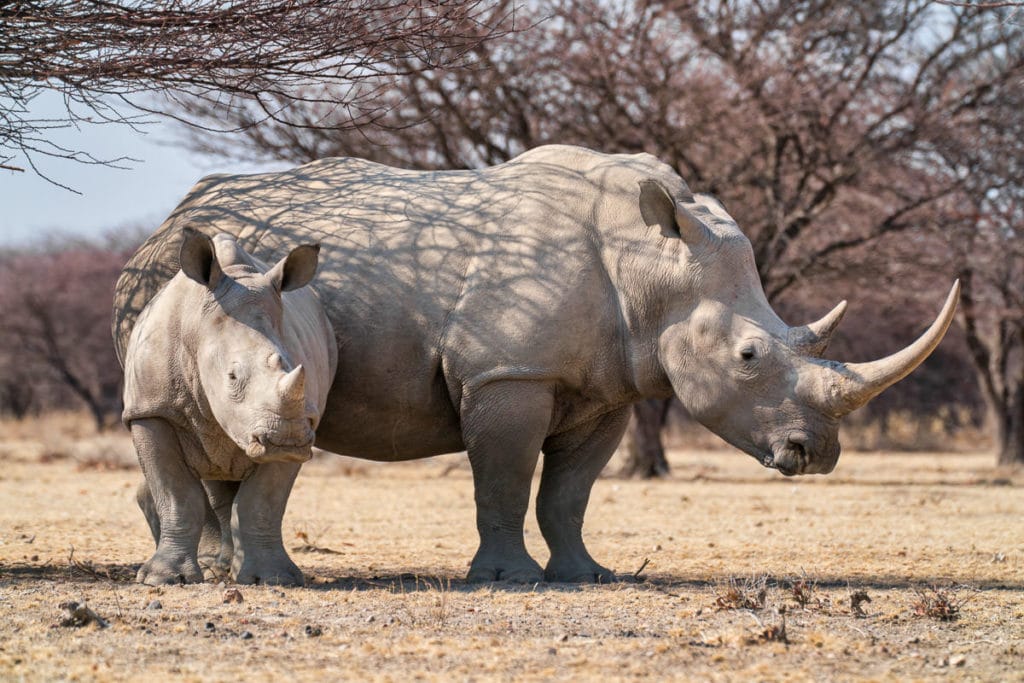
x=819 y=123
x=991 y=264
x=985 y=228
x=801 y=116
x=55 y=307
x=110 y=59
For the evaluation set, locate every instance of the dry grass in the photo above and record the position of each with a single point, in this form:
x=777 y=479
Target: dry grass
x=385 y=549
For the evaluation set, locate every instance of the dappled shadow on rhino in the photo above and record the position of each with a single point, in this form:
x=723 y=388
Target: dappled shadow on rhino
x=522 y=309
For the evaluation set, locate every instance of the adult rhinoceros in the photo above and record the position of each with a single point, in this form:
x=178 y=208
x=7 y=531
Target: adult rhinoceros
x=522 y=308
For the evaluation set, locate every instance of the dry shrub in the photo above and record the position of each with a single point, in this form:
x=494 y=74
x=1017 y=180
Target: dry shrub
x=943 y=604
x=772 y=633
x=858 y=598
x=804 y=593
x=107 y=451
x=311 y=542
x=67 y=424
x=746 y=593
x=67 y=435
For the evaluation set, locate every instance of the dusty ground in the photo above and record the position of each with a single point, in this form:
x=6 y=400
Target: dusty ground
x=386 y=600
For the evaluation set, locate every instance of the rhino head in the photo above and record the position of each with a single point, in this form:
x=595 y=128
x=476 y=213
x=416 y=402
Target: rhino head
x=253 y=384
x=737 y=367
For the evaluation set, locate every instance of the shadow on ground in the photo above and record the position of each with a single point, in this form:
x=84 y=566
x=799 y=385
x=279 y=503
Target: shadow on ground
x=410 y=582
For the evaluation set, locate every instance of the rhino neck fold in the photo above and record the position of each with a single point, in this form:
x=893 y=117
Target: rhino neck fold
x=636 y=276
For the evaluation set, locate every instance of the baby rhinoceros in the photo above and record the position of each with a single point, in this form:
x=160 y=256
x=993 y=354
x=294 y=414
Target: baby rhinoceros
x=226 y=377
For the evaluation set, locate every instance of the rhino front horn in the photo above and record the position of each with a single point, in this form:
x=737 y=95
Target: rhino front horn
x=858 y=383
x=292 y=387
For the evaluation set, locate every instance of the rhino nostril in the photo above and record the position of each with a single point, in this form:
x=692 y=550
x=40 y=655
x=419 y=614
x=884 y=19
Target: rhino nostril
x=796 y=445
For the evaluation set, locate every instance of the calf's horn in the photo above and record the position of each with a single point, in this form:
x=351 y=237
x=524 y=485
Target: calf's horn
x=858 y=383
x=292 y=387
x=813 y=339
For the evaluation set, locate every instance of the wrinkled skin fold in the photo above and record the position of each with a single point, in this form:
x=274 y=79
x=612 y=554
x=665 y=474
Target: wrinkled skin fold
x=520 y=310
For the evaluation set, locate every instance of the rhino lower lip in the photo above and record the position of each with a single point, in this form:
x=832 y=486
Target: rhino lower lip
x=261 y=446
x=769 y=460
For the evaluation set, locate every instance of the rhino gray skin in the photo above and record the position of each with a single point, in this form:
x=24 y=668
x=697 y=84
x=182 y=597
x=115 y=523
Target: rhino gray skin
x=521 y=309
x=226 y=377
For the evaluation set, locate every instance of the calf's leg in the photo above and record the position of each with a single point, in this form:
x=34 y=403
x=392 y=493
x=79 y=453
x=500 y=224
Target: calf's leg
x=259 y=554
x=178 y=502
x=217 y=547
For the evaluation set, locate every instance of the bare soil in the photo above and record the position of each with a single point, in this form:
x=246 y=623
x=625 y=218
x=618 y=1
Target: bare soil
x=893 y=567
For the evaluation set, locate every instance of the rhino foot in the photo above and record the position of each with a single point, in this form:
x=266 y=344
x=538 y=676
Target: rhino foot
x=160 y=572
x=590 y=572
x=214 y=568
x=276 y=571
x=525 y=571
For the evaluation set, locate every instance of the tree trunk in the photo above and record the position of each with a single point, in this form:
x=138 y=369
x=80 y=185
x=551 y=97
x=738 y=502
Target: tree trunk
x=646 y=454
x=17 y=397
x=1010 y=431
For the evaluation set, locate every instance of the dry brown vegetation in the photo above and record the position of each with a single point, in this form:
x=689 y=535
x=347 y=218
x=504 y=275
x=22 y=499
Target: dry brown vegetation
x=893 y=567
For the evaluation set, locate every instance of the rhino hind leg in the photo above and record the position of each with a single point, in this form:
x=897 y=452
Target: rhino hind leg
x=216 y=547
x=503 y=428
x=144 y=497
x=259 y=555
x=572 y=463
x=175 y=498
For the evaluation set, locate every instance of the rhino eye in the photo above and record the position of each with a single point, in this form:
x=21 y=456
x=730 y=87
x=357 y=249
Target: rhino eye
x=232 y=376
x=748 y=353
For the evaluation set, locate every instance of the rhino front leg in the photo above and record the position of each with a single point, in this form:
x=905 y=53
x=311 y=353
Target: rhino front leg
x=503 y=427
x=216 y=548
x=572 y=462
x=178 y=503
x=259 y=555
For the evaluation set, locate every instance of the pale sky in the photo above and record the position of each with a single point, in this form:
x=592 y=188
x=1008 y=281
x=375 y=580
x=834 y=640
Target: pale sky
x=31 y=207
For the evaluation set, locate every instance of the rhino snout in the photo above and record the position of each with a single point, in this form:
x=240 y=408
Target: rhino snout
x=286 y=444
x=799 y=453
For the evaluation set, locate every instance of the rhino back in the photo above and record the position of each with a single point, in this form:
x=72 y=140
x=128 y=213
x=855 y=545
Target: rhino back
x=431 y=280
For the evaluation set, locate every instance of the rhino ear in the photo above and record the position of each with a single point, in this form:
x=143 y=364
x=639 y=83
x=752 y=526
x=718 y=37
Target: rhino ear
x=198 y=258
x=296 y=269
x=658 y=207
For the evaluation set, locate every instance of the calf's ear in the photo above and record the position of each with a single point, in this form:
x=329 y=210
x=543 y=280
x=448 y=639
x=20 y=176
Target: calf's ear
x=296 y=269
x=198 y=258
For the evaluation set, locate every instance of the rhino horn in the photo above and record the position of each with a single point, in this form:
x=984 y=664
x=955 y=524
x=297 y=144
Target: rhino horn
x=292 y=387
x=813 y=339
x=858 y=383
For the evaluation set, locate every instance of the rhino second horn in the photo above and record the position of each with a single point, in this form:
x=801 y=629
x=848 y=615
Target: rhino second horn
x=292 y=387
x=813 y=339
x=858 y=383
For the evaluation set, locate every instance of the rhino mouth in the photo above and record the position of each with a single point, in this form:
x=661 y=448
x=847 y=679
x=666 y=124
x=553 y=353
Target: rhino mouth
x=264 y=449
